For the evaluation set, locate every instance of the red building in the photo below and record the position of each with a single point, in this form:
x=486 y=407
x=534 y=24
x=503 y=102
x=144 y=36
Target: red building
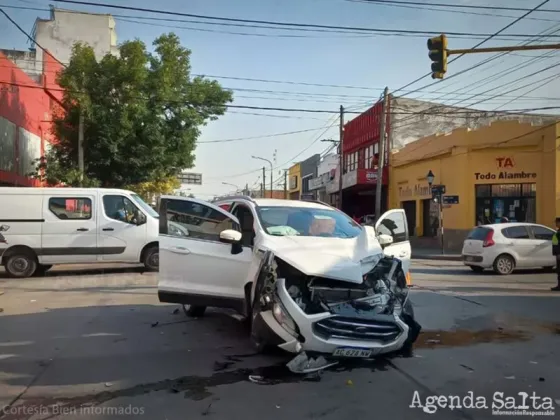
x=360 y=156
x=27 y=101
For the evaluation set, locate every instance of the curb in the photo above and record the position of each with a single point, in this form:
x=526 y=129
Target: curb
x=440 y=257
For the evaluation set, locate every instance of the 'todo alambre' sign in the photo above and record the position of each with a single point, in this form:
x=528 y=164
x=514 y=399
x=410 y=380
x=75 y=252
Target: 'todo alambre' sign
x=505 y=166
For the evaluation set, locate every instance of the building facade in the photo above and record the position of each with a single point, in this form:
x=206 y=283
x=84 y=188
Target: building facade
x=360 y=149
x=507 y=168
x=308 y=169
x=294 y=182
x=326 y=170
x=26 y=108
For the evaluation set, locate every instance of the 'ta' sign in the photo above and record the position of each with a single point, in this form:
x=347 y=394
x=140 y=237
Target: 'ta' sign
x=505 y=162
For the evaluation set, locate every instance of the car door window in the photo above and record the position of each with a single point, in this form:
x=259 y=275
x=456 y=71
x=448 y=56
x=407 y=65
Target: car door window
x=194 y=220
x=69 y=208
x=542 y=233
x=394 y=224
x=516 y=232
x=120 y=208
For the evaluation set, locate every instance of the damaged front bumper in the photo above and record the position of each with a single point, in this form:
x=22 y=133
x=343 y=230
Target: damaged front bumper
x=365 y=327
x=327 y=333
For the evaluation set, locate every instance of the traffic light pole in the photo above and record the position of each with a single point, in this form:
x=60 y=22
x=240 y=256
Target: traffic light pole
x=505 y=49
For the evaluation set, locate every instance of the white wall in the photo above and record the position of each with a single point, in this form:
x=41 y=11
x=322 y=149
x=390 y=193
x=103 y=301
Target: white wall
x=328 y=163
x=60 y=34
x=29 y=151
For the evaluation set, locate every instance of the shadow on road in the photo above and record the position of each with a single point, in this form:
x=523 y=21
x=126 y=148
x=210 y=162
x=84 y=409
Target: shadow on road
x=92 y=270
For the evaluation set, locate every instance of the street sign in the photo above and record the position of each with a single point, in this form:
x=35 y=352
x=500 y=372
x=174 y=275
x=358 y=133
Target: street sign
x=450 y=199
x=190 y=178
x=438 y=189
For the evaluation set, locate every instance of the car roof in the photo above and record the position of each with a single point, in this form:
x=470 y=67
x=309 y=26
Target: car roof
x=508 y=224
x=275 y=202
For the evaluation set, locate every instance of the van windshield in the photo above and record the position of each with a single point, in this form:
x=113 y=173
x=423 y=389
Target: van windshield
x=145 y=206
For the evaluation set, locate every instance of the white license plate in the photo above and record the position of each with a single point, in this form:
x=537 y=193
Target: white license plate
x=351 y=352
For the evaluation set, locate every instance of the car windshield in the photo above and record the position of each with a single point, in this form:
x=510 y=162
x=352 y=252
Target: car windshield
x=145 y=206
x=307 y=221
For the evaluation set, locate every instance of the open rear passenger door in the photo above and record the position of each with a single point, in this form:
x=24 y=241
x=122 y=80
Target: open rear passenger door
x=202 y=261
x=394 y=224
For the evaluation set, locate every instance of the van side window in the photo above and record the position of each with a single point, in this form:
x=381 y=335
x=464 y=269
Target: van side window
x=120 y=208
x=70 y=208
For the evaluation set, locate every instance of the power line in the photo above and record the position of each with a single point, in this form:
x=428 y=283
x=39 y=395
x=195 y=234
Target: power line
x=442 y=10
x=261 y=136
x=457 y=6
x=280 y=24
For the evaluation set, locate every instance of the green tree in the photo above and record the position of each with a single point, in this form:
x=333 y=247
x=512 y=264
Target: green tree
x=142 y=115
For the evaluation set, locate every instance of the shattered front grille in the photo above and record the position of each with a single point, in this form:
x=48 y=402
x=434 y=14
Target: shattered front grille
x=383 y=330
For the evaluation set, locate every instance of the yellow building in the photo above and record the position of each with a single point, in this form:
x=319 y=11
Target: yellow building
x=294 y=182
x=504 y=169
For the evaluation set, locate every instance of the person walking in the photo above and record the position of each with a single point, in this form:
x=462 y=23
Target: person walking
x=556 y=253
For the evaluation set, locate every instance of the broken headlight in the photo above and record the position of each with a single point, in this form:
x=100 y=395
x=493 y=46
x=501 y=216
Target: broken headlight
x=282 y=316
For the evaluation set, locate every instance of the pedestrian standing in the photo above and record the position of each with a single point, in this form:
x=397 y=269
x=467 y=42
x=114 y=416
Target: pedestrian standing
x=556 y=253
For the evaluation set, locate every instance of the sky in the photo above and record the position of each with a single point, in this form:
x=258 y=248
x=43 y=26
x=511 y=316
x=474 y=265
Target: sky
x=364 y=63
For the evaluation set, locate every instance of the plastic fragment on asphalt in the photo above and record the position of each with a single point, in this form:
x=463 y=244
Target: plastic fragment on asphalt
x=349 y=382
x=431 y=341
x=509 y=377
x=303 y=364
x=108 y=384
x=533 y=363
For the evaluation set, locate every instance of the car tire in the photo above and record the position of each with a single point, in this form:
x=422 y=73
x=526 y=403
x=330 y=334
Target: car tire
x=193 y=311
x=42 y=270
x=504 y=264
x=151 y=259
x=476 y=268
x=21 y=265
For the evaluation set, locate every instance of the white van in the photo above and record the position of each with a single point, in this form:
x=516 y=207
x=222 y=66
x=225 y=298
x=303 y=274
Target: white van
x=46 y=226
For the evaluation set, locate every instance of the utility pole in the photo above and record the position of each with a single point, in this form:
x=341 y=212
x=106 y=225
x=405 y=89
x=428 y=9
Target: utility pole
x=264 y=183
x=285 y=184
x=381 y=160
x=271 y=170
x=81 y=147
x=341 y=156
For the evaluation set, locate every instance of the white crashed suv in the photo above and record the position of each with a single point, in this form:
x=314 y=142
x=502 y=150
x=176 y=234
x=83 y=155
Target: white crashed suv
x=306 y=276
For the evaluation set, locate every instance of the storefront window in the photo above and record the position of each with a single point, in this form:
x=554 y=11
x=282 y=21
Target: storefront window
x=517 y=202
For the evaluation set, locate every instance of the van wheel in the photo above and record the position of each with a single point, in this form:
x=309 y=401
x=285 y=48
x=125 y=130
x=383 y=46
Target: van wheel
x=193 y=311
x=151 y=259
x=42 y=270
x=504 y=264
x=21 y=265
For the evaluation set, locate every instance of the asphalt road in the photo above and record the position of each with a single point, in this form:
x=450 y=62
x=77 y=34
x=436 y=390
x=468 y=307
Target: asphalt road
x=98 y=345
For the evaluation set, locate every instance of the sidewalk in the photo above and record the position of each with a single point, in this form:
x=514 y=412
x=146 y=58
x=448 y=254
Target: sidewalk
x=434 y=254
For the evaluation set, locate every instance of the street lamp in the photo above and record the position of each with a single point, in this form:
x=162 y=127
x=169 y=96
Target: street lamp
x=271 y=170
x=430 y=177
x=232 y=185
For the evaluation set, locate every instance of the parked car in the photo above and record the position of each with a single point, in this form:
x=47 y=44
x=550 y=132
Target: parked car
x=507 y=246
x=46 y=226
x=304 y=274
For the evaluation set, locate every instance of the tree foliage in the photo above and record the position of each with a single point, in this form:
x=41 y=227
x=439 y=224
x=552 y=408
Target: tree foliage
x=150 y=189
x=142 y=115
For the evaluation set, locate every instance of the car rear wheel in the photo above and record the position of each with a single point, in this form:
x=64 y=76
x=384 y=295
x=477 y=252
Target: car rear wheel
x=193 y=311
x=504 y=264
x=476 y=268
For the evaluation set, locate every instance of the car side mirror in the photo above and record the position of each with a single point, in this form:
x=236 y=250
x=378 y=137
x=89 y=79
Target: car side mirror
x=230 y=236
x=139 y=219
x=385 y=240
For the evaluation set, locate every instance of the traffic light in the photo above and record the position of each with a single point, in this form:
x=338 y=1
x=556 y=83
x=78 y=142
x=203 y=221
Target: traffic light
x=438 y=55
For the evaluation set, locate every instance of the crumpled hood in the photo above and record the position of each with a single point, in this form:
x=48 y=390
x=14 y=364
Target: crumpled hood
x=334 y=258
